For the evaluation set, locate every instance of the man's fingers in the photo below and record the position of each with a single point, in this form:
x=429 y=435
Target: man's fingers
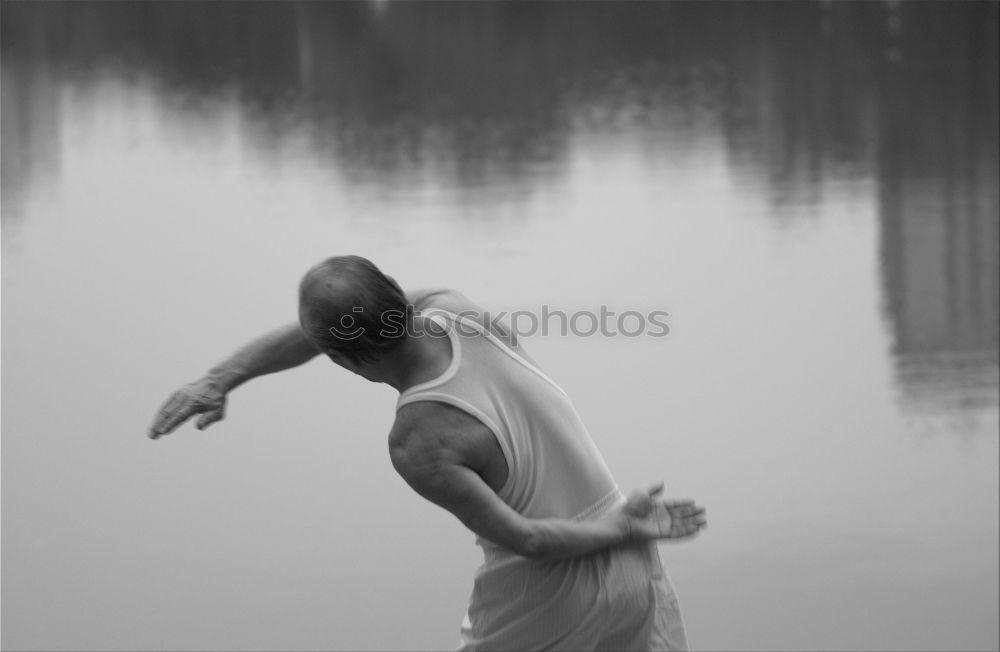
x=165 y=413
x=688 y=512
x=177 y=418
x=691 y=524
x=684 y=532
x=687 y=509
x=671 y=519
x=169 y=421
x=211 y=417
x=174 y=402
x=194 y=398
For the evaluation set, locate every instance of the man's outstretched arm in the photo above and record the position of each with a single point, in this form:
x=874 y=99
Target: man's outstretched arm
x=281 y=349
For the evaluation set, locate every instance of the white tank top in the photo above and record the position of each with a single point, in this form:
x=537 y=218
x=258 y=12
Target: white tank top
x=554 y=468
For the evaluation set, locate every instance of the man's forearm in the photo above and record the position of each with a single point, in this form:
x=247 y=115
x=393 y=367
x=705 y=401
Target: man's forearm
x=281 y=349
x=555 y=538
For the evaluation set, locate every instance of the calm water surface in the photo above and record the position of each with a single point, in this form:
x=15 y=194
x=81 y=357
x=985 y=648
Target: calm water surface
x=809 y=190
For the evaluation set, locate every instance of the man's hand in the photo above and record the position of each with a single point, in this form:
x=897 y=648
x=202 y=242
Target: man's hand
x=651 y=518
x=200 y=397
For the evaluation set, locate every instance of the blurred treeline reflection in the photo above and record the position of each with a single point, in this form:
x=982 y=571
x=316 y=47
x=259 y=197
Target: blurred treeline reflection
x=491 y=94
x=800 y=88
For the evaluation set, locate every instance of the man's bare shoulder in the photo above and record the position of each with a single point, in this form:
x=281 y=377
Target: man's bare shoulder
x=431 y=424
x=427 y=433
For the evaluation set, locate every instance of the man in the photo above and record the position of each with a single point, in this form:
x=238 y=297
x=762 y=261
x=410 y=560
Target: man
x=481 y=431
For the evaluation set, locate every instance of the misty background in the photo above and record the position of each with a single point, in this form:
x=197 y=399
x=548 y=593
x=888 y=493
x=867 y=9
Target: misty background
x=809 y=189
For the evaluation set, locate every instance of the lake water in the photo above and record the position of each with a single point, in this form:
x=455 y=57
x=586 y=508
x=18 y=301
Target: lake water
x=808 y=189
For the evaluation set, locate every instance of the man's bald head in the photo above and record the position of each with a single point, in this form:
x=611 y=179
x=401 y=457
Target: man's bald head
x=346 y=303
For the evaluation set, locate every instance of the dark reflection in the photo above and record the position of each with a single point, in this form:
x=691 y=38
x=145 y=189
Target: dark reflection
x=489 y=95
x=802 y=96
x=484 y=92
x=492 y=91
x=30 y=128
x=939 y=206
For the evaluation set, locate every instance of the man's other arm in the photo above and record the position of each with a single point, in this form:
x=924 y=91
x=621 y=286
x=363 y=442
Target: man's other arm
x=280 y=349
x=443 y=479
x=437 y=468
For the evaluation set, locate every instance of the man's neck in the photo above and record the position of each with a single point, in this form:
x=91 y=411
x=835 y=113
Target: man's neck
x=420 y=357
